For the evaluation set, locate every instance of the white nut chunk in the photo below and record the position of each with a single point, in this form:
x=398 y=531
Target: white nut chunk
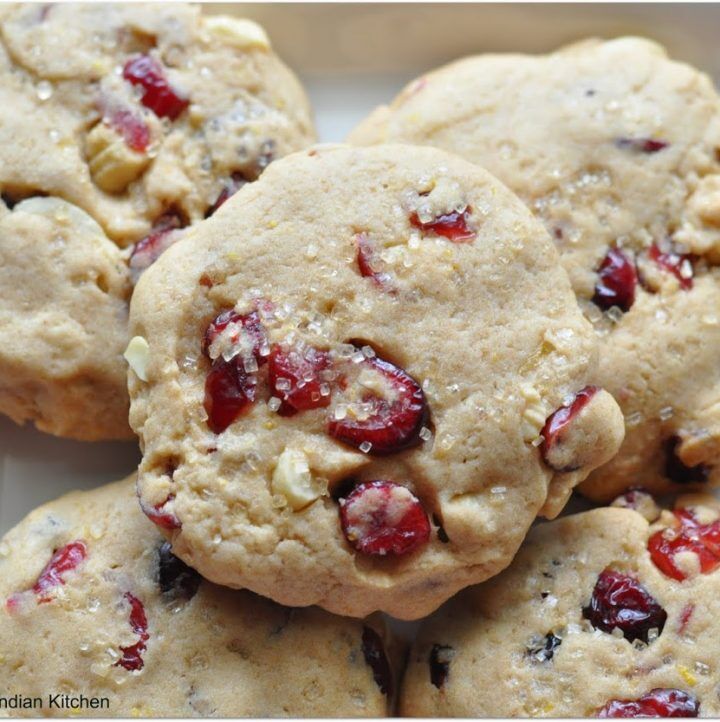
x=293 y=480
x=240 y=33
x=137 y=354
x=113 y=164
x=534 y=413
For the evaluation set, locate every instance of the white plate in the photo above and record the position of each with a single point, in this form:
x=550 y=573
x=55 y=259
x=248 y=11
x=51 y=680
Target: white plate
x=351 y=58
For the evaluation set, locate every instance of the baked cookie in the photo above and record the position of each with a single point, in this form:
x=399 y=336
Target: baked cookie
x=94 y=605
x=154 y=119
x=600 y=614
x=615 y=148
x=360 y=381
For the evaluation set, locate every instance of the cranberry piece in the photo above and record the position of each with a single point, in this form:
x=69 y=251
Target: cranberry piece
x=620 y=602
x=394 y=420
x=685 y=617
x=688 y=535
x=641 y=145
x=64 y=560
x=453 y=226
x=147 y=250
x=676 y=471
x=176 y=578
x=232 y=185
x=617 y=280
x=439 y=661
x=229 y=390
x=159 y=516
x=557 y=423
x=146 y=72
x=368 y=262
x=245 y=332
x=132 y=656
x=381 y=517
x=296 y=378
x=656 y=703
x=679 y=264
x=545 y=651
x=374 y=653
x=131 y=127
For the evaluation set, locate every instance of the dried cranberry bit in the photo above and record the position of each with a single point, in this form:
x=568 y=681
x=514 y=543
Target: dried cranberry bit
x=131 y=127
x=617 y=281
x=374 y=653
x=685 y=617
x=229 y=390
x=393 y=424
x=368 y=263
x=453 y=226
x=656 y=703
x=641 y=145
x=175 y=578
x=232 y=185
x=132 y=656
x=248 y=325
x=295 y=378
x=619 y=601
x=679 y=264
x=558 y=422
x=146 y=72
x=676 y=471
x=159 y=516
x=65 y=559
x=688 y=535
x=439 y=662
x=147 y=250
x=381 y=517
x=545 y=650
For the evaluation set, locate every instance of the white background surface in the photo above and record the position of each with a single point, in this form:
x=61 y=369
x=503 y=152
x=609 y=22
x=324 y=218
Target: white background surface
x=351 y=58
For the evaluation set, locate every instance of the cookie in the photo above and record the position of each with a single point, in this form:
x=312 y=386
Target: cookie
x=360 y=381
x=614 y=147
x=96 y=607
x=601 y=614
x=153 y=120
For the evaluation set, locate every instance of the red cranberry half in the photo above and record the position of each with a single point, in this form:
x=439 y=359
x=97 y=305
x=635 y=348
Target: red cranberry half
x=368 y=263
x=246 y=331
x=381 y=517
x=159 y=516
x=679 y=264
x=374 y=653
x=617 y=280
x=393 y=423
x=64 y=560
x=295 y=377
x=453 y=226
x=146 y=72
x=132 y=656
x=147 y=250
x=620 y=602
x=131 y=127
x=558 y=422
x=656 y=703
x=688 y=535
x=229 y=390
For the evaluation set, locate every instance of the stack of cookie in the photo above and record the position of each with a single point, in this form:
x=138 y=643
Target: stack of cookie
x=358 y=374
